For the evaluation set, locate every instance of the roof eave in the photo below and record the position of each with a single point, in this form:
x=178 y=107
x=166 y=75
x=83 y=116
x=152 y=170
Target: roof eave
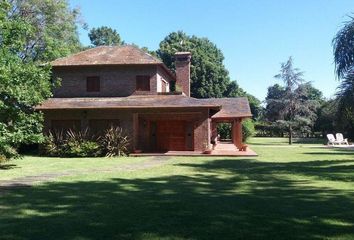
x=232 y=116
x=40 y=108
x=168 y=71
x=103 y=64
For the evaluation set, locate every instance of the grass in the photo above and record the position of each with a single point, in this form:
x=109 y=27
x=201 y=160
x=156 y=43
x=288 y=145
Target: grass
x=304 y=191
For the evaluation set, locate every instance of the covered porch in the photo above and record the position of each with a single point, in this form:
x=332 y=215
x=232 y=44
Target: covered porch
x=235 y=143
x=170 y=130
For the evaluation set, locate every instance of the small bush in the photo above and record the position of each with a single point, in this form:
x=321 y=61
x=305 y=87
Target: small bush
x=54 y=143
x=84 y=148
x=7 y=152
x=224 y=130
x=247 y=129
x=71 y=144
x=114 y=142
x=2 y=159
x=81 y=144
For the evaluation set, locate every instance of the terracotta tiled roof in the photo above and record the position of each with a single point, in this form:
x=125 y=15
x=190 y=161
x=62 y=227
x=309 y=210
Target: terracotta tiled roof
x=108 y=55
x=134 y=101
x=230 y=107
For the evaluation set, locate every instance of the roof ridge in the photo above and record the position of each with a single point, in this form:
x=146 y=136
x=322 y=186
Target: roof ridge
x=129 y=51
x=146 y=53
x=74 y=54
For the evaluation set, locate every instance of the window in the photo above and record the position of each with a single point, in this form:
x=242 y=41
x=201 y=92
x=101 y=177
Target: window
x=143 y=83
x=93 y=84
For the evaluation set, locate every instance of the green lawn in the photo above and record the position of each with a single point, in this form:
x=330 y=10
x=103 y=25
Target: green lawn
x=303 y=191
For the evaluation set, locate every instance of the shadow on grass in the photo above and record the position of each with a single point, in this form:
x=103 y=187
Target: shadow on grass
x=284 y=141
x=225 y=199
x=336 y=151
x=328 y=153
x=8 y=166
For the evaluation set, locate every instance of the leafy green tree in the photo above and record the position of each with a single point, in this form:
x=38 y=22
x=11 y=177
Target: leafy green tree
x=53 y=28
x=313 y=93
x=234 y=90
x=296 y=110
x=104 y=36
x=327 y=121
x=272 y=110
x=209 y=77
x=23 y=84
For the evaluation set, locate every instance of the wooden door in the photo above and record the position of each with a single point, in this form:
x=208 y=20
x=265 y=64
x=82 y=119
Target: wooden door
x=171 y=135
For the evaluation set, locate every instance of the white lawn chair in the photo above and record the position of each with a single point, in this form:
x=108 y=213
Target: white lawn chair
x=331 y=139
x=341 y=140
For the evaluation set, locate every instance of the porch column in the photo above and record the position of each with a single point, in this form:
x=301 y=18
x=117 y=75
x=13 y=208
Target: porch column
x=237 y=132
x=214 y=131
x=135 y=131
x=209 y=131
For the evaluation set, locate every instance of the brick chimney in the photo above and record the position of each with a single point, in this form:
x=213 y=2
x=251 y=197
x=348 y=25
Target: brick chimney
x=183 y=72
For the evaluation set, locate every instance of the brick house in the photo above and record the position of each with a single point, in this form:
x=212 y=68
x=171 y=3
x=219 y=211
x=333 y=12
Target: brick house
x=126 y=87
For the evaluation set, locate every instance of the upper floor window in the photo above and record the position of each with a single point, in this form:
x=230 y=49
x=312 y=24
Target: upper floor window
x=143 y=83
x=93 y=84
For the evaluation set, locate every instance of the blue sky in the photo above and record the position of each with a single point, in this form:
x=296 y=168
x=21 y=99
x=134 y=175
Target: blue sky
x=254 y=35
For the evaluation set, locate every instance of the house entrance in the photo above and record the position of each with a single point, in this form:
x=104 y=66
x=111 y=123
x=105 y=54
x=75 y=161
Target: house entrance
x=173 y=135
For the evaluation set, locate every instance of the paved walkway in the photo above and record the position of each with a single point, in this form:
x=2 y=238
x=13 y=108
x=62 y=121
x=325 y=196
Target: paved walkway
x=222 y=149
x=28 y=181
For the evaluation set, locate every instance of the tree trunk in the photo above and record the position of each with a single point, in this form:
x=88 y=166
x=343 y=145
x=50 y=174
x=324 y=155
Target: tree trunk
x=290 y=135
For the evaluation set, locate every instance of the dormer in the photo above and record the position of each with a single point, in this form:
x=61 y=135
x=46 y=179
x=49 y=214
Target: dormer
x=111 y=71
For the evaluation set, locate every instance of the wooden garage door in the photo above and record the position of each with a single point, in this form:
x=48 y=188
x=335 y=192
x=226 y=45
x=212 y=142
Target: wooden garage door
x=171 y=135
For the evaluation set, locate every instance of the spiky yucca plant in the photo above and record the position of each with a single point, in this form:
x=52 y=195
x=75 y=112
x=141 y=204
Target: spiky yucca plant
x=81 y=144
x=115 y=142
x=53 y=143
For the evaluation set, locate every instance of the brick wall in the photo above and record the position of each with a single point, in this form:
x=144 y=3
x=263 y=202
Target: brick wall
x=182 y=62
x=115 y=81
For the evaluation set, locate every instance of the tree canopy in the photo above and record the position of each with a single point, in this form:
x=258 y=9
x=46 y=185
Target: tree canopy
x=53 y=28
x=32 y=33
x=23 y=84
x=343 y=48
x=234 y=90
x=291 y=105
x=274 y=95
x=209 y=77
x=104 y=36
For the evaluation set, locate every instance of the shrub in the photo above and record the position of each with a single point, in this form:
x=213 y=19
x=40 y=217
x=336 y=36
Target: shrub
x=224 y=129
x=82 y=148
x=115 y=142
x=2 y=159
x=71 y=144
x=81 y=144
x=54 y=143
x=247 y=129
x=7 y=152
